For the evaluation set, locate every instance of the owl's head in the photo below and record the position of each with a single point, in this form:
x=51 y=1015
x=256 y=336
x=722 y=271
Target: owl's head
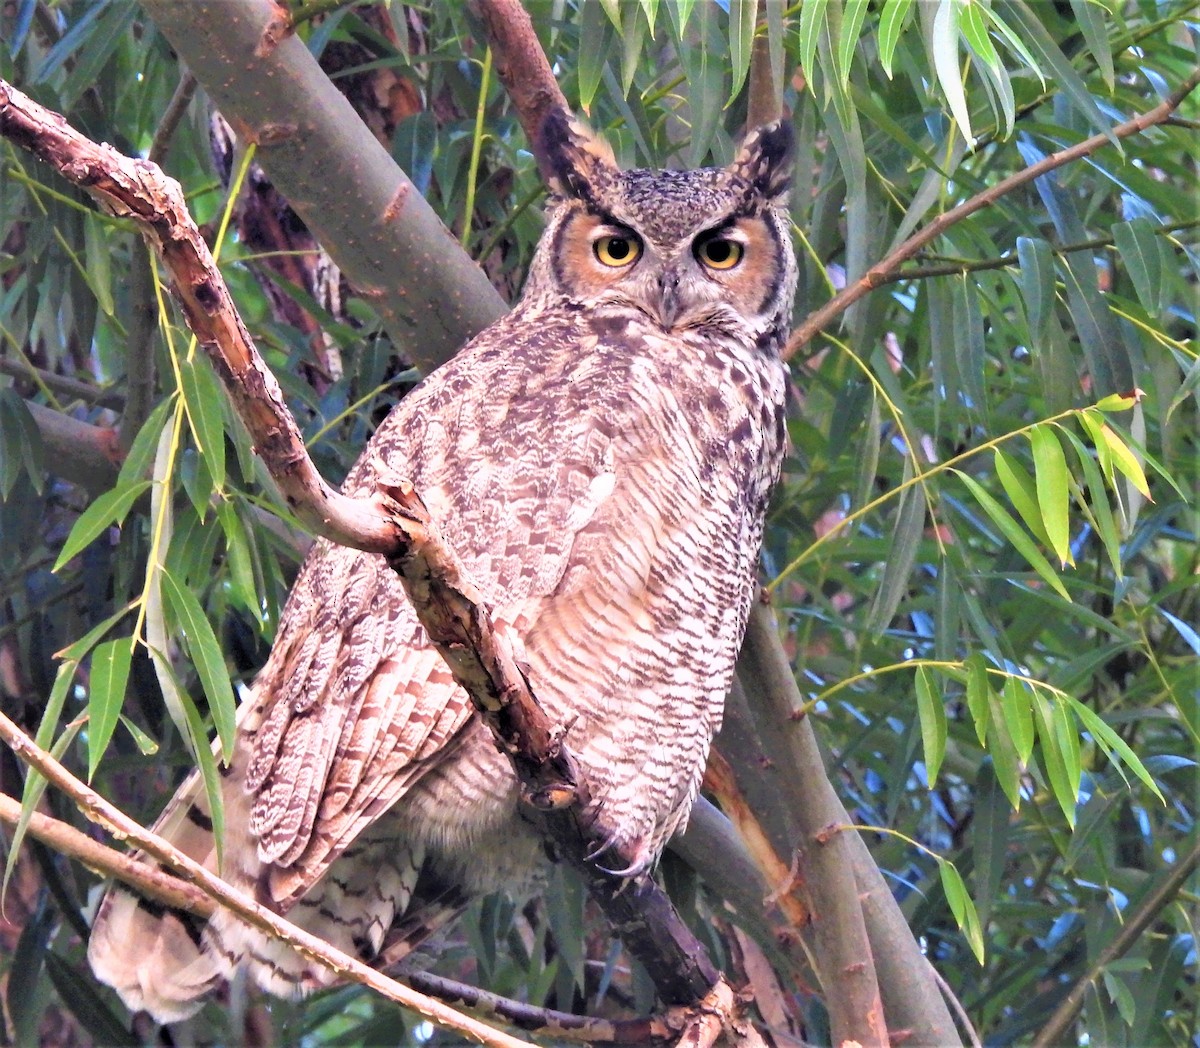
x=707 y=250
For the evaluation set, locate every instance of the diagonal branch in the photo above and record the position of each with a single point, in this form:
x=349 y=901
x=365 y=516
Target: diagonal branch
x=882 y=272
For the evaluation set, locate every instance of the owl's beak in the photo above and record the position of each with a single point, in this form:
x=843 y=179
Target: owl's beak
x=668 y=301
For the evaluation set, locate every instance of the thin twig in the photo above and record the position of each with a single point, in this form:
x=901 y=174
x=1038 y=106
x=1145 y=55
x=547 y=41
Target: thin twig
x=121 y=826
x=1130 y=932
x=882 y=271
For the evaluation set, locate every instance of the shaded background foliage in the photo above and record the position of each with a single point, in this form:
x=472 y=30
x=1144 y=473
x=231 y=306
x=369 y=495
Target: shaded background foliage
x=918 y=613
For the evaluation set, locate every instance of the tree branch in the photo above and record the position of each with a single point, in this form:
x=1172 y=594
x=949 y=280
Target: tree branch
x=882 y=271
x=335 y=174
x=1152 y=904
x=520 y=63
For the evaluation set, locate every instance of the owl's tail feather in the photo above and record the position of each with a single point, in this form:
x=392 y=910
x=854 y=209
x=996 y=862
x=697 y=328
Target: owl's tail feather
x=166 y=961
x=159 y=959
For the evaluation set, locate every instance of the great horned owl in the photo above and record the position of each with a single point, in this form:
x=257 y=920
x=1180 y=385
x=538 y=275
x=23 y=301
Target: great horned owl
x=601 y=460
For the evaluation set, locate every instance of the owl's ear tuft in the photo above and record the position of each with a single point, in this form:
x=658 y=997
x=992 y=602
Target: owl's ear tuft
x=765 y=160
x=571 y=156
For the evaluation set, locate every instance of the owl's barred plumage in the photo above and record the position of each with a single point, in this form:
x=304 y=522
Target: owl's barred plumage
x=601 y=460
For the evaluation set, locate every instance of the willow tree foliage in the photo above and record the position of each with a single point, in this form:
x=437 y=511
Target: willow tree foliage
x=983 y=554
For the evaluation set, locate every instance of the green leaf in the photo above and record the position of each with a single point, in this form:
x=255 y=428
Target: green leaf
x=970 y=345
x=812 y=21
x=892 y=19
x=1037 y=282
x=990 y=834
x=22 y=447
x=144 y=743
x=1102 y=514
x=106 y=694
x=1019 y=487
x=853 y=15
x=904 y=542
x=76 y=650
x=98 y=257
x=110 y=508
x=979 y=695
x=207 y=657
x=1109 y=741
x=141 y=451
x=595 y=40
x=237 y=557
x=203 y=396
x=1138 y=245
x=1091 y=17
x=741 y=40
x=1016 y=705
x=1053 y=493
x=932 y=713
x=944 y=45
x=1015 y=534
x=1005 y=761
x=35 y=783
x=1113 y=449
x=962 y=907
x=974 y=31
x=1057 y=763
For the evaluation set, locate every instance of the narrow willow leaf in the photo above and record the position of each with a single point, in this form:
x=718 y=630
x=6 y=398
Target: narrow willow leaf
x=98 y=259
x=110 y=508
x=892 y=20
x=612 y=8
x=962 y=907
x=106 y=694
x=903 y=545
x=29 y=451
x=1004 y=755
x=1037 y=282
x=1022 y=493
x=1016 y=704
x=1109 y=741
x=144 y=743
x=1117 y=401
x=1053 y=493
x=206 y=654
x=979 y=695
x=975 y=32
x=207 y=764
x=651 y=9
x=203 y=398
x=812 y=22
x=595 y=39
x=932 y=713
x=682 y=10
x=944 y=45
x=1138 y=245
x=969 y=345
x=990 y=834
x=237 y=557
x=1064 y=787
x=853 y=15
x=868 y=455
x=1113 y=452
x=1068 y=742
x=141 y=452
x=1090 y=17
x=35 y=783
x=1016 y=535
x=742 y=14
x=1097 y=492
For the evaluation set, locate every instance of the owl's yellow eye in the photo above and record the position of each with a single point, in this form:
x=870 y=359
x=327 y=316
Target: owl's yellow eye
x=719 y=252
x=618 y=251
